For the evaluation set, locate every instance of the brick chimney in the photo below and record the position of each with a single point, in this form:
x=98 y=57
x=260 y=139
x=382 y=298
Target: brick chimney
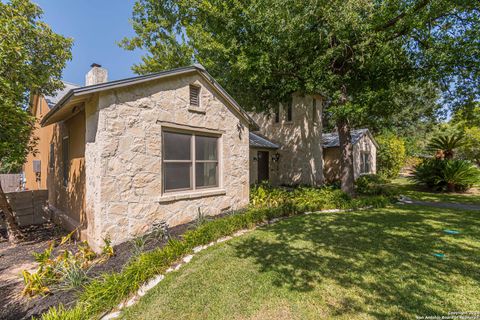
x=96 y=75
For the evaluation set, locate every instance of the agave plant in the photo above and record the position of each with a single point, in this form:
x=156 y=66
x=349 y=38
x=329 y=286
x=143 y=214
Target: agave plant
x=444 y=145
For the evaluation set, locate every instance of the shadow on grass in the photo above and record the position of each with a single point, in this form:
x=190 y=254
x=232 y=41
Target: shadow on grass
x=385 y=255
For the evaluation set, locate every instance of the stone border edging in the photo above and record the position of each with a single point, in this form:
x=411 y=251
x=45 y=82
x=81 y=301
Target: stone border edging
x=147 y=286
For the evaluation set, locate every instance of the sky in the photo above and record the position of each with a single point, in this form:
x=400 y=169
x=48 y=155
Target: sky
x=95 y=26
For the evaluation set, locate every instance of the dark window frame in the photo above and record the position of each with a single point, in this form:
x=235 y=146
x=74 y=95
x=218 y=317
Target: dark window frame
x=289 y=113
x=277 y=113
x=365 y=162
x=192 y=161
x=51 y=162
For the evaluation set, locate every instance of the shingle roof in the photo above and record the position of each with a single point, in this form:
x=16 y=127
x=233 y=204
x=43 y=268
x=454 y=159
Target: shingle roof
x=257 y=141
x=330 y=140
x=80 y=91
x=59 y=94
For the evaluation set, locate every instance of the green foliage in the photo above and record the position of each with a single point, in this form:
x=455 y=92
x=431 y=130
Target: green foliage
x=391 y=155
x=107 y=249
x=32 y=58
x=72 y=274
x=371 y=184
x=444 y=145
x=107 y=291
x=446 y=175
x=470 y=150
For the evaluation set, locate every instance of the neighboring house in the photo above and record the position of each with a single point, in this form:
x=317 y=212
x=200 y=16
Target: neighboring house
x=364 y=154
x=130 y=153
x=289 y=151
x=36 y=166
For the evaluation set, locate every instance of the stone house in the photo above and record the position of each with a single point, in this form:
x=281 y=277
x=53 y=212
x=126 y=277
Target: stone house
x=129 y=153
x=364 y=154
x=290 y=150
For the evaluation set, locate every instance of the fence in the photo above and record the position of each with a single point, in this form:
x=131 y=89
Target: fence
x=28 y=206
x=11 y=182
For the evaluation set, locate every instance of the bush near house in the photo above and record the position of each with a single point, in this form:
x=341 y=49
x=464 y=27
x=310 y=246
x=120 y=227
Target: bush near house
x=391 y=155
x=372 y=184
x=446 y=175
x=268 y=203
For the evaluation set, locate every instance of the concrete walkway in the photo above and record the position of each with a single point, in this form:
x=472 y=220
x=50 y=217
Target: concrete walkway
x=446 y=205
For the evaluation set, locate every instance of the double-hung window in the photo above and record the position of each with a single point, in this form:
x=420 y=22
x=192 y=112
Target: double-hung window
x=190 y=161
x=364 y=162
x=290 y=109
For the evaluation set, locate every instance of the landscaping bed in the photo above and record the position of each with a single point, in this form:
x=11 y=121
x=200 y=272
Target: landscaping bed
x=113 y=280
x=15 y=258
x=105 y=293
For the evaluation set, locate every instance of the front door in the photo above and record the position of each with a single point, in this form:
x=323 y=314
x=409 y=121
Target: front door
x=262 y=166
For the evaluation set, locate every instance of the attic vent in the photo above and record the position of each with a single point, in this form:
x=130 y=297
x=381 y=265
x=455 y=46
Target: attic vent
x=194 y=95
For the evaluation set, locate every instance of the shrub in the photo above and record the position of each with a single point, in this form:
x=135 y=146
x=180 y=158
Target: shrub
x=391 y=155
x=446 y=175
x=371 y=184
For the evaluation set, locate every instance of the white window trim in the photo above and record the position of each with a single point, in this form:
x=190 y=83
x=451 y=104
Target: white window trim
x=169 y=195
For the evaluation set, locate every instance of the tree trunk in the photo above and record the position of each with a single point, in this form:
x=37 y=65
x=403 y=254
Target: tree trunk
x=346 y=159
x=14 y=233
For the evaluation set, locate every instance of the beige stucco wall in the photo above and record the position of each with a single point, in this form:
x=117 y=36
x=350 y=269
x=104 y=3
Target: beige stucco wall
x=365 y=144
x=68 y=202
x=42 y=149
x=300 y=151
x=124 y=194
x=331 y=158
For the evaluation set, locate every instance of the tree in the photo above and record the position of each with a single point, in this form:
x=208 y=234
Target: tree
x=349 y=51
x=32 y=58
x=391 y=155
x=445 y=145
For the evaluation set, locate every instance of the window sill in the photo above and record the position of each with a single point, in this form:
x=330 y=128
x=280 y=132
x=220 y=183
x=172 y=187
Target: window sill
x=186 y=195
x=197 y=110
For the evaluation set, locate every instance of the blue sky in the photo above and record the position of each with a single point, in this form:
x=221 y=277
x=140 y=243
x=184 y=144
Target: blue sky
x=95 y=26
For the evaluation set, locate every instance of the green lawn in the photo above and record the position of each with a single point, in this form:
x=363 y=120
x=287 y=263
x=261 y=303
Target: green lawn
x=406 y=187
x=373 y=264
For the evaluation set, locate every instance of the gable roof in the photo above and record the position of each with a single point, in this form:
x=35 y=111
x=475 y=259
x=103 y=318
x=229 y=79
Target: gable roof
x=86 y=90
x=331 y=140
x=257 y=141
x=59 y=94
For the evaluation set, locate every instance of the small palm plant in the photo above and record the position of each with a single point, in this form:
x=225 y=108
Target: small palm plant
x=444 y=145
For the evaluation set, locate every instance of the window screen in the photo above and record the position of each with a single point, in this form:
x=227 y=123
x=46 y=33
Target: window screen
x=190 y=161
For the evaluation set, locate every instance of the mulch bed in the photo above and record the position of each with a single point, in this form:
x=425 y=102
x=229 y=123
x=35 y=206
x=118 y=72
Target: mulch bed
x=16 y=257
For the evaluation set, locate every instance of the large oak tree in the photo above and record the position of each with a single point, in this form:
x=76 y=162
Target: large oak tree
x=352 y=52
x=32 y=58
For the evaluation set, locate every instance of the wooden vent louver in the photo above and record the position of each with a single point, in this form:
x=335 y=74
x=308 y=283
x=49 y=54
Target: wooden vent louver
x=194 y=96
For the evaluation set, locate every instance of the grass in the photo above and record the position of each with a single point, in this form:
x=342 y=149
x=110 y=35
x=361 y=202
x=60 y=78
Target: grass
x=408 y=188
x=371 y=264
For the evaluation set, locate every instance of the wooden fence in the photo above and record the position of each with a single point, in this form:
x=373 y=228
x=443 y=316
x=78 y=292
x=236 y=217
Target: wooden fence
x=28 y=206
x=11 y=182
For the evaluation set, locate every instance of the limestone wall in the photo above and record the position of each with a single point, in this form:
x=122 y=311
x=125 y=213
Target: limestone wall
x=301 y=159
x=124 y=157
